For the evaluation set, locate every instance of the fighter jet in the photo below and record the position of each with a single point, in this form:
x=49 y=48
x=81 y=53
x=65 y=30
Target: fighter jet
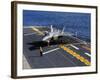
x=55 y=34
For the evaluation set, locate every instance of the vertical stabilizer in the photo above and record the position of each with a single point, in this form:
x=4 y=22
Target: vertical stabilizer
x=63 y=30
x=76 y=34
x=51 y=28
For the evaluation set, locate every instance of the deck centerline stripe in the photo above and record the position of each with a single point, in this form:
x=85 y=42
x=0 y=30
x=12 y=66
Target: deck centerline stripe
x=82 y=59
x=37 y=30
x=82 y=53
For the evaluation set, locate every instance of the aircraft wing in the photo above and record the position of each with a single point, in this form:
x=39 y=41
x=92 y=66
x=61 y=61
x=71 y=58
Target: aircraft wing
x=67 y=34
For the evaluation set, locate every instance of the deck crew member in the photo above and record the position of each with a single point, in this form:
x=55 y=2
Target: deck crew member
x=41 y=51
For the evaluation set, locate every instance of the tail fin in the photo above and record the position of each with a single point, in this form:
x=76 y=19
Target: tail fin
x=63 y=30
x=76 y=34
x=51 y=28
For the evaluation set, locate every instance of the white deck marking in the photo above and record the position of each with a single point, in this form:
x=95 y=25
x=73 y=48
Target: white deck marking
x=29 y=34
x=87 y=54
x=51 y=50
x=26 y=64
x=74 y=47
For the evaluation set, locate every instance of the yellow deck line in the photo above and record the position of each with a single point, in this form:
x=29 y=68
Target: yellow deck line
x=37 y=30
x=82 y=59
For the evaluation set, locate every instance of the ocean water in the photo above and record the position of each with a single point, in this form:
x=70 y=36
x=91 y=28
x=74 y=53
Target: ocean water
x=79 y=23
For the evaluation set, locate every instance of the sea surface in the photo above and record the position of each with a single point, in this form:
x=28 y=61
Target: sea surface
x=73 y=22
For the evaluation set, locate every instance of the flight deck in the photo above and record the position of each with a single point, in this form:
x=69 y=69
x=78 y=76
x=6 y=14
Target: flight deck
x=65 y=52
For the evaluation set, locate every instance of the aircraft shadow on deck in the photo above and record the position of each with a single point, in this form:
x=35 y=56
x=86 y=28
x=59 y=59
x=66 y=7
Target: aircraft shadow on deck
x=38 y=44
